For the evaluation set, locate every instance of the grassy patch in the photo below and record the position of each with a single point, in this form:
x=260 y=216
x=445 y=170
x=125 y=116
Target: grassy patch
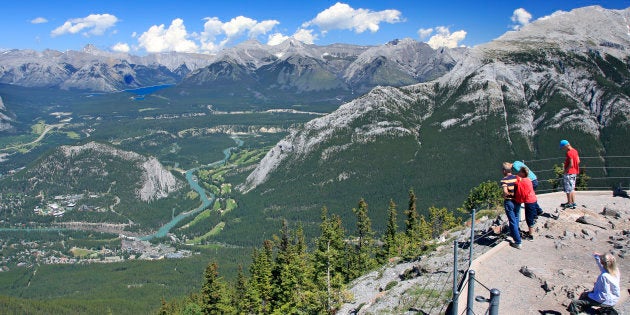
x=192 y=195
x=140 y=110
x=230 y=204
x=226 y=189
x=73 y=135
x=217 y=205
x=215 y=231
x=82 y=252
x=39 y=127
x=201 y=216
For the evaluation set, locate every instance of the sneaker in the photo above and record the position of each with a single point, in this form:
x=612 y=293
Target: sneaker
x=528 y=237
x=572 y=206
x=517 y=246
x=565 y=205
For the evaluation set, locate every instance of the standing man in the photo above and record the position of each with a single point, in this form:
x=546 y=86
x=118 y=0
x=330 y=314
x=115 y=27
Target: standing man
x=571 y=170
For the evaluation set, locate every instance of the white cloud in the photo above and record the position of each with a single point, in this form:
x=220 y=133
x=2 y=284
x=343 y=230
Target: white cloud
x=557 y=13
x=217 y=34
x=342 y=16
x=262 y=28
x=39 y=20
x=175 y=38
x=521 y=17
x=304 y=35
x=134 y=35
x=237 y=26
x=121 y=47
x=276 y=39
x=424 y=32
x=93 y=24
x=211 y=29
x=444 y=38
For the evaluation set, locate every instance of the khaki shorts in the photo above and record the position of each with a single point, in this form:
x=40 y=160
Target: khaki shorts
x=569 y=182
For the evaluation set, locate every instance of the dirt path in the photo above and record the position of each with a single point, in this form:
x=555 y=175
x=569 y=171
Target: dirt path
x=559 y=258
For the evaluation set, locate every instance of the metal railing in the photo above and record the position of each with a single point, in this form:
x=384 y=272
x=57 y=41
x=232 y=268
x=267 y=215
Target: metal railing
x=467 y=247
x=469 y=279
x=440 y=289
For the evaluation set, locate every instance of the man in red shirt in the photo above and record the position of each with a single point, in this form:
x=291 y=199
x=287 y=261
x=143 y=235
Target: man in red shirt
x=571 y=170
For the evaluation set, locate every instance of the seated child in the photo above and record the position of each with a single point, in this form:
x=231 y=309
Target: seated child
x=606 y=291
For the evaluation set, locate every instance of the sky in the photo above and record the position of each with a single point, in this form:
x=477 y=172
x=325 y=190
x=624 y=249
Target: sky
x=207 y=26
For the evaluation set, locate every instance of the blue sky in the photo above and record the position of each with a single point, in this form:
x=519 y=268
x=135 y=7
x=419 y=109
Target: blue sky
x=141 y=26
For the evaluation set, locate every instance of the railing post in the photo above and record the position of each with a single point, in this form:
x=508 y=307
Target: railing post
x=472 y=238
x=471 y=292
x=495 y=294
x=455 y=273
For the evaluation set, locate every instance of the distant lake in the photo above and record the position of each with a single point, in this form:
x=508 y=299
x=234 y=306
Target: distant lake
x=148 y=89
x=144 y=91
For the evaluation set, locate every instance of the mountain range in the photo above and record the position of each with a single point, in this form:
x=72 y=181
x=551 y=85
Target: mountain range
x=564 y=76
x=250 y=70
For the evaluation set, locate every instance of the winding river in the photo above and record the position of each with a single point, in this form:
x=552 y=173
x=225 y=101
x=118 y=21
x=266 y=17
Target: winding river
x=207 y=198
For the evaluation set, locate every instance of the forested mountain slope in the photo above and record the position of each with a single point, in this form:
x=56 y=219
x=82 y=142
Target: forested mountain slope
x=564 y=76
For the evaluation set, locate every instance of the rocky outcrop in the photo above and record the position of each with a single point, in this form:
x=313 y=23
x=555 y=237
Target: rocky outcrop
x=5 y=119
x=156 y=181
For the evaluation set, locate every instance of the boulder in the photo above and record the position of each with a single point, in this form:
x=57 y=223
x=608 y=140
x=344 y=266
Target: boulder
x=587 y=219
x=610 y=211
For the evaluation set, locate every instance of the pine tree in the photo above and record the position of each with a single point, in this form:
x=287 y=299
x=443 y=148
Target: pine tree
x=261 y=277
x=362 y=257
x=441 y=220
x=391 y=245
x=214 y=296
x=244 y=303
x=285 y=275
x=329 y=262
x=413 y=237
x=411 y=223
x=292 y=282
x=164 y=308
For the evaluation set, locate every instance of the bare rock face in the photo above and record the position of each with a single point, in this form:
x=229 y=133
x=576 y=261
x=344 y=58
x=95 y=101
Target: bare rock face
x=5 y=120
x=157 y=181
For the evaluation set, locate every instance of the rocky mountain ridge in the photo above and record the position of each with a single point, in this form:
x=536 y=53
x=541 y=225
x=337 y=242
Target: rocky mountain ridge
x=514 y=82
x=299 y=71
x=95 y=70
x=250 y=67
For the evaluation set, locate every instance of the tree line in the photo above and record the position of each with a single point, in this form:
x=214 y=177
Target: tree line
x=288 y=277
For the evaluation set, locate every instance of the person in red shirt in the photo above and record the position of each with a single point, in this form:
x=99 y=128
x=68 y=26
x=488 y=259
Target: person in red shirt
x=571 y=170
x=524 y=193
